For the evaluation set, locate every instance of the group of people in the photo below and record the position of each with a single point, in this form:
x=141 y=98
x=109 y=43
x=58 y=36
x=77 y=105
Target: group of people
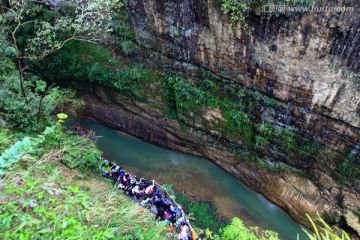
x=150 y=196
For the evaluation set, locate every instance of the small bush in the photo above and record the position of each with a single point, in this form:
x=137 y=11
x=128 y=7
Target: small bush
x=237 y=230
x=204 y=213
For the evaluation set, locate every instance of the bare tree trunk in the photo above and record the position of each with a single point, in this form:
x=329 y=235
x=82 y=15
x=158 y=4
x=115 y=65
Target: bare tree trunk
x=21 y=76
x=20 y=68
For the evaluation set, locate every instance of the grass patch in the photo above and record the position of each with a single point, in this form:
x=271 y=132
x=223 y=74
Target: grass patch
x=46 y=195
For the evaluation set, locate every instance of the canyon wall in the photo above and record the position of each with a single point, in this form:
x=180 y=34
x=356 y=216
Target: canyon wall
x=307 y=62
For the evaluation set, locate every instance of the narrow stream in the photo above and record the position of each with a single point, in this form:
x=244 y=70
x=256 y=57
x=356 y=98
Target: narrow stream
x=195 y=176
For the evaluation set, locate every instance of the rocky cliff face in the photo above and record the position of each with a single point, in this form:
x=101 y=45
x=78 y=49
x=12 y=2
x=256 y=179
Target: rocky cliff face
x=308 y=63
x=307 y=59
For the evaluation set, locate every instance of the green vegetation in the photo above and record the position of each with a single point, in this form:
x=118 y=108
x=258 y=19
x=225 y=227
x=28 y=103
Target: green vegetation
x=237 y=230
x=92 y=63
x=243 y=112
x=54 y=191
x=49 y=182
x=31 y=31
x=32 y=113
x=239 y=107
x=209 y=226
x=347 y=169
x=123 y=34
x=16 y=151
x=325 y=232
x=6 y=138
x=203 y=213
x=240 y=110
x=240 y=9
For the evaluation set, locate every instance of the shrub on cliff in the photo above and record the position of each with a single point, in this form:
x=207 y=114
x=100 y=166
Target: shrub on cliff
x=239 y=10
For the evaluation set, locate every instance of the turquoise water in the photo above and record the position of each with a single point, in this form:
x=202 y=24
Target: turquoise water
x=195 y=176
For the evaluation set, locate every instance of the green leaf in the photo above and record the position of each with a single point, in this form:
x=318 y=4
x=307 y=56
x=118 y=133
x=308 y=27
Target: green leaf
x=14 y=153
x=62 y=116
x=75 y=189
x=87 y=217
x=10 y=51
x=313 y=224
x=85 y=205
x=44 y=230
